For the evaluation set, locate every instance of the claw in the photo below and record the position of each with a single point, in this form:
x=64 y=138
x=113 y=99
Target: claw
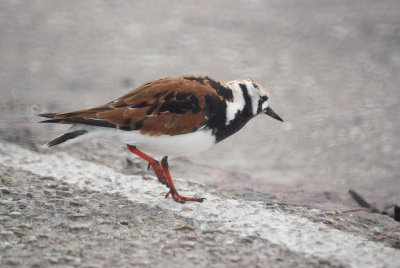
x=182 y=199
x=177 y=199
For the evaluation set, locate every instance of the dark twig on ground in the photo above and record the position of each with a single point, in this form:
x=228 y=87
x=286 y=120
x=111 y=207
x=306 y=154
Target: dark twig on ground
x=363 y=203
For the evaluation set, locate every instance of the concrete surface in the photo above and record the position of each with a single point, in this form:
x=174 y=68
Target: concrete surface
x=332 y=68
x=58 y=199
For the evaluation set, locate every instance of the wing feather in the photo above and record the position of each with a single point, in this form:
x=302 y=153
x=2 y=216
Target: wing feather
x=169 y=106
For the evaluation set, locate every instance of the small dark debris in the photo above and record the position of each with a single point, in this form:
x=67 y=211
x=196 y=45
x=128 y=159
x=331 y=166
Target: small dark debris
x=129 y=162
x=396 y=213
x=75 y=203
x=184 y=227
x=363 y=203
x=328 y=195
x=5 y=191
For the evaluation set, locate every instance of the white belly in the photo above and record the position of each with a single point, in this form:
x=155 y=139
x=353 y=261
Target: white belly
x=178 y=145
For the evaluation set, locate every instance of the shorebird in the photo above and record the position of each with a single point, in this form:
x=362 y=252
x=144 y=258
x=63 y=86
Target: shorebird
x=174 y=116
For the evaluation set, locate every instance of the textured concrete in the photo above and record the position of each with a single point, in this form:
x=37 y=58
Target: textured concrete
x=299 y=239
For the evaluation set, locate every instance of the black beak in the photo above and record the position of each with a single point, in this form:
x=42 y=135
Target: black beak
x=271 y=113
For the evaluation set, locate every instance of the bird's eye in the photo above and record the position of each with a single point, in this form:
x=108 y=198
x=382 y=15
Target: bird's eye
x=264 y=98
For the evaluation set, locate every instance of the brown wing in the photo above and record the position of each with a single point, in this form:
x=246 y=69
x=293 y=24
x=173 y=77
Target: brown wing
x=168 y=106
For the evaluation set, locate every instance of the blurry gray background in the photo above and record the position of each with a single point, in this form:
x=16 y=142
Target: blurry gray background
x=333 y=69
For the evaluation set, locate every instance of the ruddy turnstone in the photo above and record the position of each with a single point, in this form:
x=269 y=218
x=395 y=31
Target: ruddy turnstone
x=175 y=116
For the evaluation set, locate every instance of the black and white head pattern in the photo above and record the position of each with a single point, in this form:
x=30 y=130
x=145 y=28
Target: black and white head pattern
x=249 y=99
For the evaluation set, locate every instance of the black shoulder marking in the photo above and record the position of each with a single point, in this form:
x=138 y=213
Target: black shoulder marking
x=153 y=107
x=194 y=78
x=169 y=96
x=140 y=105
x=179 y=103
x=139 y=124
x=195 y=104
x=215 y=110
x=181 y=95
x=174 y=106
x=221 y=89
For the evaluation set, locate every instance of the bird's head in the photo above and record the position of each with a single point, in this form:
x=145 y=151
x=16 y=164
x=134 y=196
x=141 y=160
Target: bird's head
x=258 y=94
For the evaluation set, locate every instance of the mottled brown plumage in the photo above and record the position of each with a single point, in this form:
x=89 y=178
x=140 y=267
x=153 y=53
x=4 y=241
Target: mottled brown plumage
x=169 y=106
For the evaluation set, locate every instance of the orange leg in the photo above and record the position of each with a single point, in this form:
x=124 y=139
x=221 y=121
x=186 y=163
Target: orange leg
x=163 y=175
x=153 y=163
x=174 y=193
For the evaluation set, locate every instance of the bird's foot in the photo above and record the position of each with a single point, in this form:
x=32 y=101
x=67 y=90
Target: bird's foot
x=182 y=199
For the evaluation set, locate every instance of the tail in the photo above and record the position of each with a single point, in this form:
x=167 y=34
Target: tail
x=62 y=138
x=51 y=116
x=80 y=117
x=65 y=137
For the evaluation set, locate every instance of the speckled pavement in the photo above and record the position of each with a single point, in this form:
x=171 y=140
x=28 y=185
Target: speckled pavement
x=57 y=199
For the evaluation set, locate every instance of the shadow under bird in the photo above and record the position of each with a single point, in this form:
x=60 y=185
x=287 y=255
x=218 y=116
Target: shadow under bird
x=174 y=116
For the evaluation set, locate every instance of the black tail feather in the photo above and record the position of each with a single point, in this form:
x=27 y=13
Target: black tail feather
x=87 y=121
x=51 y=116
x=48 y=115
x=76 y=120
x=51 y=121
x=65 y=137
